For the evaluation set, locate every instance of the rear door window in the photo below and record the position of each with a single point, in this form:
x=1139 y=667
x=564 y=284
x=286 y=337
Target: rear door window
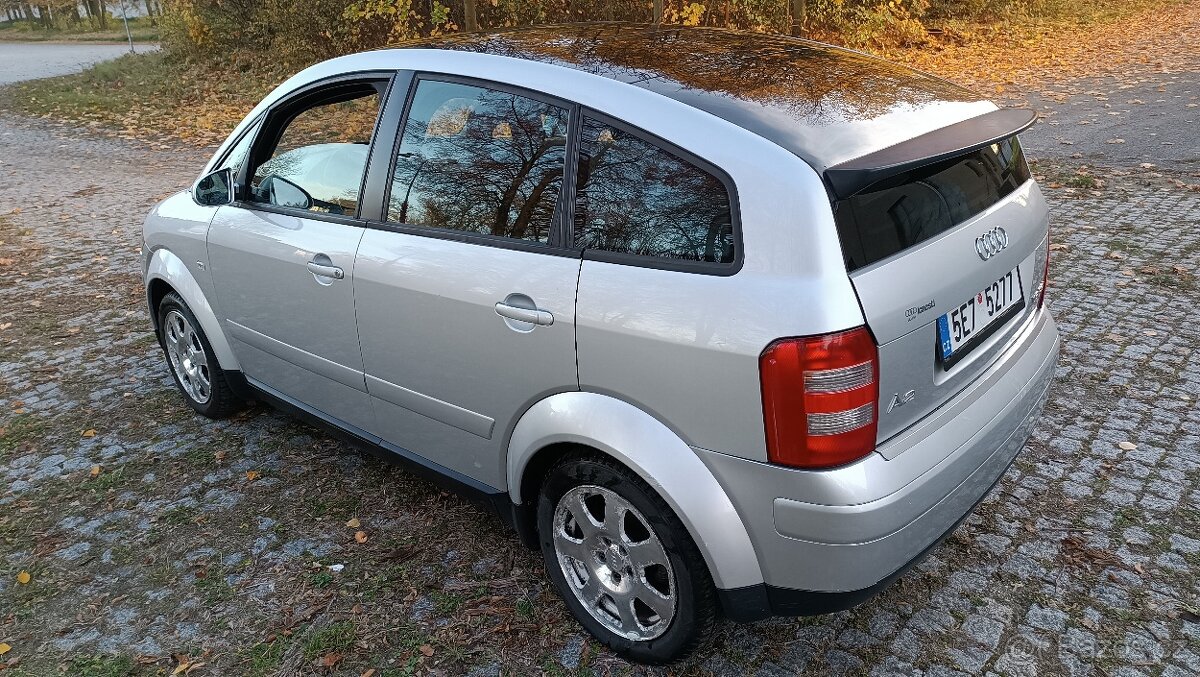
x=635 y=197
x=479 y=160
x=889 y=218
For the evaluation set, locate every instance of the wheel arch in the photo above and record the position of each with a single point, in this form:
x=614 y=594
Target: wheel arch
x=569 y=422
x=167 y=273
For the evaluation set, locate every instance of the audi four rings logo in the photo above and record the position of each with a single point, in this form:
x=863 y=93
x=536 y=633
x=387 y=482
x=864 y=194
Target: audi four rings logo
x=990 y=243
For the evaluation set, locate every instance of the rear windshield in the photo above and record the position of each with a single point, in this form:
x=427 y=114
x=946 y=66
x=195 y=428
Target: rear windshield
x=899 y=212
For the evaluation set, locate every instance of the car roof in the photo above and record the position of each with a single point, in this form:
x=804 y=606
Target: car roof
x=821 y=102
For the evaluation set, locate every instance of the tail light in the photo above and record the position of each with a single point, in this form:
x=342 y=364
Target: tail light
x=820 y=398
x=1045 y=274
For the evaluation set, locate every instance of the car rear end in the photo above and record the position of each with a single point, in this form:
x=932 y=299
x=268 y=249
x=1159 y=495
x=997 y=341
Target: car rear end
x=882 y=438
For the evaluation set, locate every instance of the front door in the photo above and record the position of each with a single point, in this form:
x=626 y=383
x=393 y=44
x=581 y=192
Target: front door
x=282 y=257
x=466 y=301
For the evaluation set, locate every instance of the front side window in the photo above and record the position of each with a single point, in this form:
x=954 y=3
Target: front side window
x=479 y=160
x=634 y=197
x=318 y=162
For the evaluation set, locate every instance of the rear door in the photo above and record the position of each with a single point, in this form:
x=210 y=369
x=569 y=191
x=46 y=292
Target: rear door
x=465 y=294
x=282 y=257
x=947 y=261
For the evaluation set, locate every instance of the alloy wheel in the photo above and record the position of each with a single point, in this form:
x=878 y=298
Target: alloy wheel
x=187 y=357
x=614 y=563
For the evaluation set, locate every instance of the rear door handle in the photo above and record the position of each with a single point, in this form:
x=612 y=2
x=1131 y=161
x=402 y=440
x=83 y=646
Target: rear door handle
x=531 y=315
x=325 y=270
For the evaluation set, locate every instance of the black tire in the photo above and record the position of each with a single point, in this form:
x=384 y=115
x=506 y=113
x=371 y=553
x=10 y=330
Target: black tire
x=221 y=401
x=696 y=607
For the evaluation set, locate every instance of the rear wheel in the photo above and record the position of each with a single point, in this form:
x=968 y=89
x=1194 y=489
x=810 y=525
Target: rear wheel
x=193 y=363
x=623 y=562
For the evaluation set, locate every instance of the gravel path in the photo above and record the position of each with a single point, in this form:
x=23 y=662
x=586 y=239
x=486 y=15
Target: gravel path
x=31 y=60
x=153 y=537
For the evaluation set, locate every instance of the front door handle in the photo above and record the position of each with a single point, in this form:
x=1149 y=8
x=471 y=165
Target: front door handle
x=326 y=270
x=531 y=315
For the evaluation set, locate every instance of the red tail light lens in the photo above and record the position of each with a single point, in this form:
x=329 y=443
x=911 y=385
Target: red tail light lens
x=820 y=398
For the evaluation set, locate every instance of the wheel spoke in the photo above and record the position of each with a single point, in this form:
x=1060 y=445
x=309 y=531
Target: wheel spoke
x=663 y=606
x=572 y=548
x=648 y=552
x=583 y=517
x=625 y=611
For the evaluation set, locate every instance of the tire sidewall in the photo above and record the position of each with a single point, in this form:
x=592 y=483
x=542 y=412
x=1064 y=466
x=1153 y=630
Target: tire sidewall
x=680 y=637
x=170 y=302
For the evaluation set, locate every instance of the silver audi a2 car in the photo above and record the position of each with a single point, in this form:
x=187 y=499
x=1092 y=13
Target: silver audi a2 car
x=724 y=324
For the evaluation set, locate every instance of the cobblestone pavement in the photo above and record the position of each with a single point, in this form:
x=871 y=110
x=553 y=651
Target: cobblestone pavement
x=155 y=538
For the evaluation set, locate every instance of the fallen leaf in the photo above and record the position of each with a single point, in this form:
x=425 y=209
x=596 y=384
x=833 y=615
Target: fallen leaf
x=1127 y=446
x=360 y=536
x=90 y=432
x=427 y=650
x=95 y=471
x=219 y=456
x=331 y=659
x=368 y=673
x=251 y=475
x=354 y=523
x=4 y=648
x=23 y=578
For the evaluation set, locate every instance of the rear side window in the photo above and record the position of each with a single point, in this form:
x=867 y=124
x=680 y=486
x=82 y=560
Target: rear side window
x=479 y=160
x=634 y=197
x=906 y=210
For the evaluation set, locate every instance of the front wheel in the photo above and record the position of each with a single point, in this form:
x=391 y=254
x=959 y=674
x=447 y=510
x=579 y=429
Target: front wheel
x=623 y=562
x=193 y=363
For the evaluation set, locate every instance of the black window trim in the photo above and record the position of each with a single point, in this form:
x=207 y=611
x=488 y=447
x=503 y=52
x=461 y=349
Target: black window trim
x=251 y=129
x=648 y=261
x=271 y=126
x=559 y=229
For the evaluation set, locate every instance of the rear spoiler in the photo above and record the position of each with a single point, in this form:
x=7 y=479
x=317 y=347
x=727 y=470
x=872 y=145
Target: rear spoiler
x=852 y=176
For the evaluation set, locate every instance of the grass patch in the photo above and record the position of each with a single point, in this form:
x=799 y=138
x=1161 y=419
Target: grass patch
x=335 y=637
x=148 y=97
x=321 y=579
x=102 y=666
x=177 y=516
x=24 y=428
x=28 y=31
x=264 y=658
x=446 y=603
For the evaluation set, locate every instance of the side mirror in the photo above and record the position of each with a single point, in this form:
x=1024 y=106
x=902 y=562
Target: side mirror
x=215 y=189
x=284 y=193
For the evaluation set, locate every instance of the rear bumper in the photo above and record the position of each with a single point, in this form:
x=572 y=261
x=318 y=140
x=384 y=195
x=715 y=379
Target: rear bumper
x=828 y=540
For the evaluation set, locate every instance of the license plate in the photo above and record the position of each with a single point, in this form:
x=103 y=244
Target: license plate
x=979 y=316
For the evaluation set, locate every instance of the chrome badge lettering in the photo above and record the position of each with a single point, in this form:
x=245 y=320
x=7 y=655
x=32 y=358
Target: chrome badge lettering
x=912 y=313
x=899 y=400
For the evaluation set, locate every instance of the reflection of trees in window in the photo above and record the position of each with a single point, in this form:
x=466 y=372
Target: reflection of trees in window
x=636 y=198
x=479 y=160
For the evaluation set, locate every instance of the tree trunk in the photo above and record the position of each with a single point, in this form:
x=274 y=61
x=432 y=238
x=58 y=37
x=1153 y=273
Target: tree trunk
x=470 y=17
x=657 y=8
x=799 y=16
